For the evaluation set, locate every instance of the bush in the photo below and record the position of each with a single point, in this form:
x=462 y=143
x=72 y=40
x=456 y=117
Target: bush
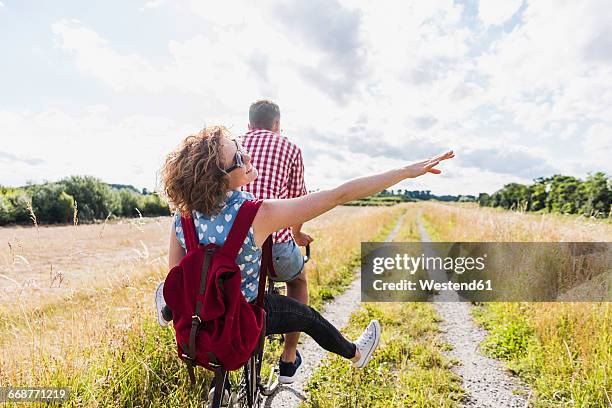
x=54 y=202
x=129 y=201
x=94 y=198
x=6 y=211
x=154 y=205
x=18 y=205
x=51 y=203
x=564 y=194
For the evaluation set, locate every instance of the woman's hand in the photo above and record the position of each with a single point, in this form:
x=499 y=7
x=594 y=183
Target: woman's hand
x=427 y=165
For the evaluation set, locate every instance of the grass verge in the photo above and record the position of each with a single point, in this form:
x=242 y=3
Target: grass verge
x=408 y=369
x=564 y=351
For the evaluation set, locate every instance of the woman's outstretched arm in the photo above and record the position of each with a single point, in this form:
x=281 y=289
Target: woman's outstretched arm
x=276 y=214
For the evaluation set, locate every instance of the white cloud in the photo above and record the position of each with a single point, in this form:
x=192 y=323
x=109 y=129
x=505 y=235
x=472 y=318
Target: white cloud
x=216 y=66
x=409 y=80
x=277 y=60
x=93 y=54
x=53 y=144
x=568 y=131
x=152 y=4
x=496 y=12
x=1 y=5
x=91 y=142
x=597 y=147
x=552 y=67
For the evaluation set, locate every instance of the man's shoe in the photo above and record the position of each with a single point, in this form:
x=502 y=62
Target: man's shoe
x=160 y=305
x=367 y=343
x=288 y=371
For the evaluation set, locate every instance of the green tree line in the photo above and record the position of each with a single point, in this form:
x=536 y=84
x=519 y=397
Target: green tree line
x=94 y=200
x=561 y=194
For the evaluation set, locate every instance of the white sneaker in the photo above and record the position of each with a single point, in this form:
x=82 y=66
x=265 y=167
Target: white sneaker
x=160 y=303
x=367 y=343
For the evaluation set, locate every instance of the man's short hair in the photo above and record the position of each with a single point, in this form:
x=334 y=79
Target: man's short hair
x=263 y=113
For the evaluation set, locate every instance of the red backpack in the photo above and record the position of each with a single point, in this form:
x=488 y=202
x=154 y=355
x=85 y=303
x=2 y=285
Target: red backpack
x=214 y=324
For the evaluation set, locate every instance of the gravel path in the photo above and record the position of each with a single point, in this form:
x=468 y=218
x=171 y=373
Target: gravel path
x=485 y=380
x=337 y=312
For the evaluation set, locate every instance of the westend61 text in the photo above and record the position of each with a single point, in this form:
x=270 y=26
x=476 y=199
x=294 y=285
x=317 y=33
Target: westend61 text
x=429 y=285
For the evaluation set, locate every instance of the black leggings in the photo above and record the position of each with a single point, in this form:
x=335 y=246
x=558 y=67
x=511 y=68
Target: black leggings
x=286 y=315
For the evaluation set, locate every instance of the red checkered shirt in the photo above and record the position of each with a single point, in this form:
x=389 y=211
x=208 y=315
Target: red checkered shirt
x=280 y=167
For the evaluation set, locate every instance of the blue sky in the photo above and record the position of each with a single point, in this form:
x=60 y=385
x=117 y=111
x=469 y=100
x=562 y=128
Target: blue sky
x=518 y=89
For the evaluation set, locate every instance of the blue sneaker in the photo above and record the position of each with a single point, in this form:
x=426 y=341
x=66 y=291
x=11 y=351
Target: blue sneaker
x=288 y=371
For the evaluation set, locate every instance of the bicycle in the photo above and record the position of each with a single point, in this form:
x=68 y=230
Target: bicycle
x=250 y=390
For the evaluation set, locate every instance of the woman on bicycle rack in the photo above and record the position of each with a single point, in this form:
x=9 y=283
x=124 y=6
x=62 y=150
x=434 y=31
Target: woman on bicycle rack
x=203 y=177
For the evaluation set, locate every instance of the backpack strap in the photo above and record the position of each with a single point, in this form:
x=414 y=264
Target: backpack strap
x=266 y=269
x=190 y=349
x=240 y=228
x=219 y=381
x=191 y=237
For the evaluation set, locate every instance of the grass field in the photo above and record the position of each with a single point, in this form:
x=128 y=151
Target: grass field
x=77 y=311
x=96 y=331
x=50 y=263
x=563 y=350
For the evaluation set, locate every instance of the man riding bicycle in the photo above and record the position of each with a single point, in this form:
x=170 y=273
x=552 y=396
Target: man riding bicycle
x=281 y=176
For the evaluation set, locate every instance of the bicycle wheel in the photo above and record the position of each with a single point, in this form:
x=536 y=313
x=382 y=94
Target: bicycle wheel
x=249 y=395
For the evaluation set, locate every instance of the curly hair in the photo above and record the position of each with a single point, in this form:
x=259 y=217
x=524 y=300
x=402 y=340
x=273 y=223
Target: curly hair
x=193 y=177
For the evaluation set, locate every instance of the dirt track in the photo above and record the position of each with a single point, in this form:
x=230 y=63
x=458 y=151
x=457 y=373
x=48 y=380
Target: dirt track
x=486 y=382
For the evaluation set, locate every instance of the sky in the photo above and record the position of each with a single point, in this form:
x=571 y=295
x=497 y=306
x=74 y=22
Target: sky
x=518 y=89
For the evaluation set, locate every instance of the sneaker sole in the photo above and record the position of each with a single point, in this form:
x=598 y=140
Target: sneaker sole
x=287 y=380
x=374 y=346
x=160 y=319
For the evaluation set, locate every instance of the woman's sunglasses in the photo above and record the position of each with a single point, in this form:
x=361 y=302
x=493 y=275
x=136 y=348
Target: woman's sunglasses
x=237 y=159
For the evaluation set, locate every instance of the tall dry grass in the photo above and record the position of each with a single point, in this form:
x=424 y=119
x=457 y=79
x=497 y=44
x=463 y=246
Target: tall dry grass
x=88 y=257
x=337 y=246
x=563 y=350
x=99 y=336
x=483 y=224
